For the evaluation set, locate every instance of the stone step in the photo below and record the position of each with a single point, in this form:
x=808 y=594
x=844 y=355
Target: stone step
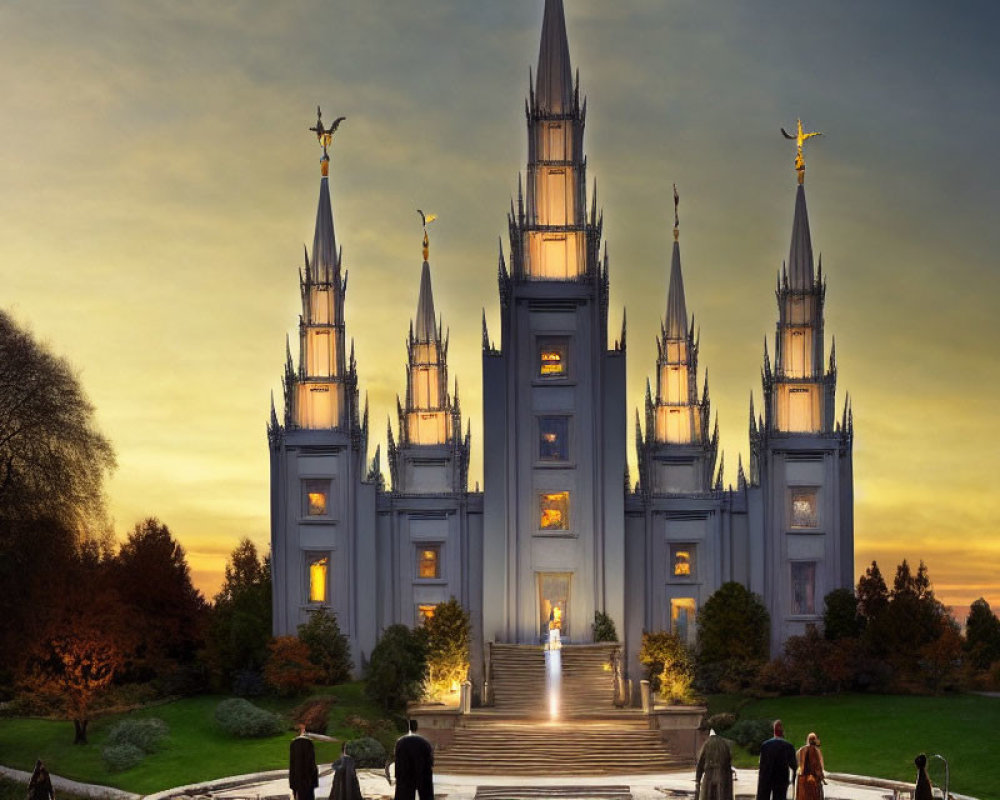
x=553 y=792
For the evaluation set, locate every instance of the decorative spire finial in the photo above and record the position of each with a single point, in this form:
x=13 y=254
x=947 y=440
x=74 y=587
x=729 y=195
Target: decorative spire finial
x=800 y=138
x=325 y=136
x=425 y=220
x=677 y=222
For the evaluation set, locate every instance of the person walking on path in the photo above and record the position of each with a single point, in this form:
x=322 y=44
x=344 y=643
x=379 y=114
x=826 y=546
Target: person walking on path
x=714 y=776
x=303 y=776
x=923 y=790
x=414 y=759
x=345 y=778
x=40 y=785
x=811 y=773
x=777 y=766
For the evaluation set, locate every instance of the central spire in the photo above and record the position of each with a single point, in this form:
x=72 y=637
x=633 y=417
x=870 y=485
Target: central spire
x=800 y=254
x=425 y=328
x=554 y=84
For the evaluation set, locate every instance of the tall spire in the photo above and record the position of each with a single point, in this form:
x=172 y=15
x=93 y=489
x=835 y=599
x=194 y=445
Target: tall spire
x=554 y=82
x=426 y=322
x=800 y=255
x=324 y=252
x=677 y=320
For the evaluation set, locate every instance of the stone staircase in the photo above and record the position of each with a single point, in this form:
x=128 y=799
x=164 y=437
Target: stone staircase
x=515 y=736
x=518 y=681
x=553 y=793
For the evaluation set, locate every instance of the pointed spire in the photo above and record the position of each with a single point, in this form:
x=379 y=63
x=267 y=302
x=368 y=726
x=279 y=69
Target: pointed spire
x=554 y=85
x=800 y=255
x=324 y=249
x=426 y=329
x=486 y=333
x=677 y=322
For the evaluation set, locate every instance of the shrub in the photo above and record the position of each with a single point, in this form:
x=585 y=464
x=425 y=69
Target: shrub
x=145 y=734
x=248 y=683
x=448 y=632
x=720 y=723
x=329 y=649
x=288 y=668
x=604 y=628
x=367 y=752
x=751 y=733
x=239 y=717
x=314 y=713
x=397 y=667
x=120 y=757
x=727 y=661
x=668 y=665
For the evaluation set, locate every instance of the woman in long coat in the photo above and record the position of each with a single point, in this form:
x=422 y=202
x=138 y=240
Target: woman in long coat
x=40 y=785
x=809 y=785
x=345 y=778
x=922 y=791
x=714 y=776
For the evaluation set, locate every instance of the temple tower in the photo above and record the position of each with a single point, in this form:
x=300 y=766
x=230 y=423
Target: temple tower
x=800 y=456
x=321 y=501
x=554 y=393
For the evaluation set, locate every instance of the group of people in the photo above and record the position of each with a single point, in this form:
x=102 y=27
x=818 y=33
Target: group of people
x=413 y=758
x=780 y=764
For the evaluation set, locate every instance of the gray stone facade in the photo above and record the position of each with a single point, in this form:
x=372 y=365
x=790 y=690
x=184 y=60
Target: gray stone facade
x=560 y=531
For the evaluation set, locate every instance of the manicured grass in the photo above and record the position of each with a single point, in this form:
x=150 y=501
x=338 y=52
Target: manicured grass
x=196 y=750
x=880 y=735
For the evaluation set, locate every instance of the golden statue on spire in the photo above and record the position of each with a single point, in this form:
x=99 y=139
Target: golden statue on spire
x=677 y=222
x=325 y=136
x=425 y=220
x=800 y=138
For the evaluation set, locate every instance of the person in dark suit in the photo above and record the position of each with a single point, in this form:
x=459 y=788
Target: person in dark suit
x=303 y=777
x=777 y=766
x=414 y=759
x=345 y=778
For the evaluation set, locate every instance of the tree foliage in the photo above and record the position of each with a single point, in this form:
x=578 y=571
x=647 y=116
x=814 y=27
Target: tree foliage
x=840 y=615
x=669 y=666
x=240 y=627
x=288 y=668
x=873 y=594
x=53 y=459
x=734 y=631
x=328 y=646
x=397 y=667
x=982 y=635
x=448 y=633
x=603 y=628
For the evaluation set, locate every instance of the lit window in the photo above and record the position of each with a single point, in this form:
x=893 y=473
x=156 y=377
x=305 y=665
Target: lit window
x=317 y=497
x=318 y=570
x=554 y=511
x=553 y=438
x=805 y=513
x=428 y=561
x=425 y=612
x=803 y=587
x=552 y=358
x=682 y=560
x=682 y=618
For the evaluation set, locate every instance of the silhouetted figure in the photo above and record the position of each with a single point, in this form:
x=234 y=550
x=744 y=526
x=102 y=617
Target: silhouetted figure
x=811 y=771
x=923 y=787
x=40 y=785
x=414 y=766
x=303 y=777
x=714 y=776
x=777 y=766
x=345 y=778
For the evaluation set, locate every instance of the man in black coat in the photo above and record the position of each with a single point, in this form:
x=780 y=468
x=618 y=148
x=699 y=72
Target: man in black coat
x=303 y=777
x=414 y=766
x=777 y=766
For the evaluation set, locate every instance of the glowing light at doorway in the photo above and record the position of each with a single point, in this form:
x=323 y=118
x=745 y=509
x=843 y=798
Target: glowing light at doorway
x=553 y=672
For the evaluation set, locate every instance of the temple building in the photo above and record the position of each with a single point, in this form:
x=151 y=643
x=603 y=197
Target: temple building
x=559 y=531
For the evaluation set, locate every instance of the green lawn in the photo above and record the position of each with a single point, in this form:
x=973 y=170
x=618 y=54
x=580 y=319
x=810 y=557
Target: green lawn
x=880 y=735
x=196 y=750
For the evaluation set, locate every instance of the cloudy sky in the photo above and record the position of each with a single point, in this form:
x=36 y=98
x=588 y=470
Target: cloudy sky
x=157 y=181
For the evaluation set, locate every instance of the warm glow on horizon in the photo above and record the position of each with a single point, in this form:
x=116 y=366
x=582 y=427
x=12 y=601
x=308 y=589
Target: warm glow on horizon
x=159 y=250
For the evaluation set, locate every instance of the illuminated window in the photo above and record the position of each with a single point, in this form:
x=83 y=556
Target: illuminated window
x=318 y=571
x=425 y=612
x=803 y=587
x=553 y=438
x=805 y=509
x=429 y=561
x=554 y=511
x=682 y=611
x=552 y=358
x=682 y=560
x=316 y=497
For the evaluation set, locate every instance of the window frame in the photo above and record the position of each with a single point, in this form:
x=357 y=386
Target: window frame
x=692 y=550
x=310 y=558
x=545 y=341
x=566 y=419
x=328 y=514
x=817 y=510
x=792 y=565
x=563 y=531
x=418 y=548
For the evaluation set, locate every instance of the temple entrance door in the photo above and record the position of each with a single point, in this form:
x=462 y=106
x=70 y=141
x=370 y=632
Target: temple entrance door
x=553 y=603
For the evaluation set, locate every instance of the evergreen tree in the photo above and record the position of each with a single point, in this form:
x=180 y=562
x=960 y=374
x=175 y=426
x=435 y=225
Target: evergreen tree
x=397 y=667
x=840 y=615
x=982 y=635
x=733 y=636
x=873 y=594
x=328 y=647
x=448 y=631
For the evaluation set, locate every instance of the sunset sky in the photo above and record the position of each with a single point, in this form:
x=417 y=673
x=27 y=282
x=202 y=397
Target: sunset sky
x=157 y=181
